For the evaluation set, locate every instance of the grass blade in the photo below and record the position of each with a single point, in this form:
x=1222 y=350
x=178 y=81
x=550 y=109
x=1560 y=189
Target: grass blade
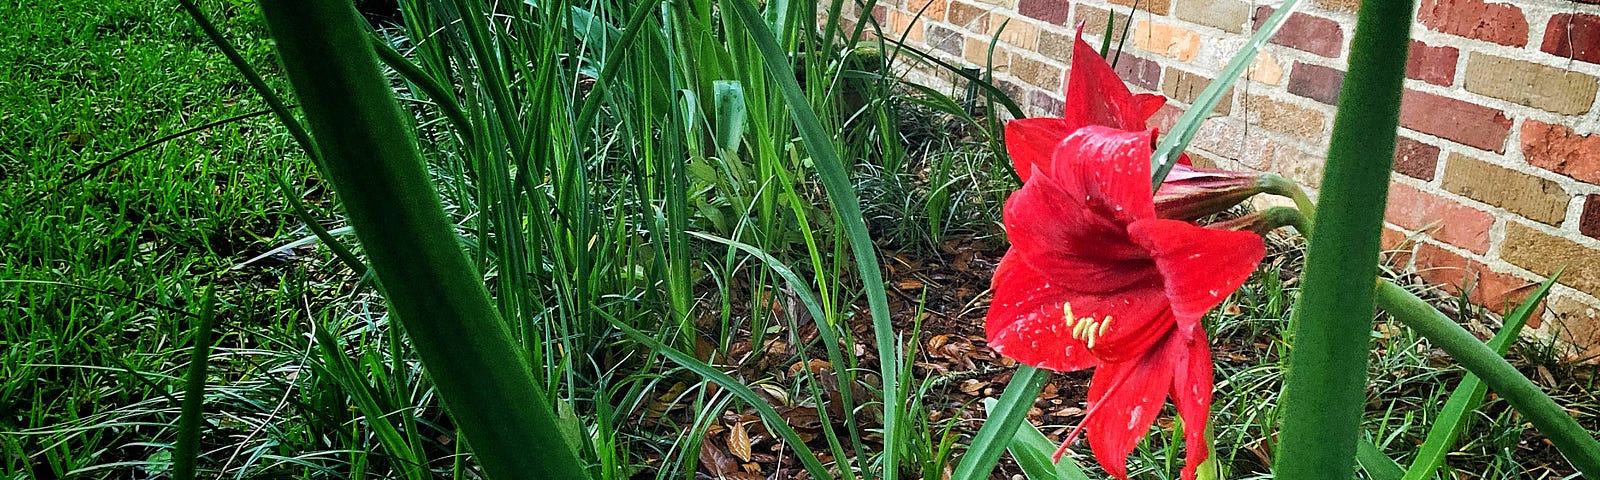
x=1377 y=464
x=1324 y=387
x=1004 y=419
x=1469 y=394
x=847 y=208
x=1033 y=451
x=1184 y=130
x=775 y=421
x=187 y=451
x=1570 y=438
x=372 y=160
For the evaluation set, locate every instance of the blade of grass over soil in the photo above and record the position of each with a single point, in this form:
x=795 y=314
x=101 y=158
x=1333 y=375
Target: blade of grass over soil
x=1469 y=394
x=1324 y=389
x=774 y=420
x=1487 y=364
x=1003 y=428
x=372 y=160
x=847 y=209
x=186 y=453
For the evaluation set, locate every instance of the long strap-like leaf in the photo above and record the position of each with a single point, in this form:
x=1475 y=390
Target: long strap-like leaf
x=373 y=162
x=1574 y=442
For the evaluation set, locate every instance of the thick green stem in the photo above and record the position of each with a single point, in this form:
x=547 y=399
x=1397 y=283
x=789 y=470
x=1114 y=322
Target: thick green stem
x=1552 y=420
x=372 y=160
x=1324 y=391
x=1277 y=185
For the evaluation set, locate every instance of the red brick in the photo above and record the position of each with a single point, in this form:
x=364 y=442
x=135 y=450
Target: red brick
x=1305 y=32
x=1440 y=267
x=1459 y=121
x=1137 y=71
x=1396 y=250
x=1501 y=23
x=1589 y=222
x=1442 y=218
x=1316 y=82
x=1500 y=292
x=1435 y=65
x=1575 y=36
x=1558 y=149
x=1048 y=10
x=1415 y=159
x=1456 y=274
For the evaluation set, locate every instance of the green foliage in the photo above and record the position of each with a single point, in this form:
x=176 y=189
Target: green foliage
x=1323 y=394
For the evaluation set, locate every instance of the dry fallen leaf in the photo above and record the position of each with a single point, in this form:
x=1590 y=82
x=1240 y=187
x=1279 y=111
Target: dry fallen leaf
x=739 y=441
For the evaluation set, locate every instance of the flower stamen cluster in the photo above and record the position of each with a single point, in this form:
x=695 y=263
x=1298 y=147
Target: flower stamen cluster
x=1086 y=328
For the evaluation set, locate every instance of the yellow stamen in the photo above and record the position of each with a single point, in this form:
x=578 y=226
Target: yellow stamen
x=1105 y=325
x=1080 y=327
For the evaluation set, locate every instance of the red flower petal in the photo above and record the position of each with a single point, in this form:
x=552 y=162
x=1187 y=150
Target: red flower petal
x=1129 y=395
x=1031 y=142
x=1200 y=266
x=1109 y=169
x=1064 y=239
x=1191 y=393
x=1026 y=321
x=1096 y=96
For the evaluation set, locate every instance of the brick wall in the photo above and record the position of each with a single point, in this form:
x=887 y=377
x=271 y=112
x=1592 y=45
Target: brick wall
x=1496 y=173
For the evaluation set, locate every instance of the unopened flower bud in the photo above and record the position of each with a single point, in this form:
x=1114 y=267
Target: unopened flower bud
x=1190 y=193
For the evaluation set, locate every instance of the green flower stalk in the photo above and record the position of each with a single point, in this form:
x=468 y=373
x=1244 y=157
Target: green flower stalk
x=1324 y=388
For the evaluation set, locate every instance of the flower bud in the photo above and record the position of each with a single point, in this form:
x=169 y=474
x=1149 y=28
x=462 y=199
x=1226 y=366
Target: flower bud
x=1190 y=193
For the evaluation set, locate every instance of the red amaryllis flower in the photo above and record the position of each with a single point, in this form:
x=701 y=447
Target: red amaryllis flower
x=1095 y=279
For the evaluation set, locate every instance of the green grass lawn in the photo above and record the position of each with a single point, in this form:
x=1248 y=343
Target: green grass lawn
x=104 y=261
x=99 y=272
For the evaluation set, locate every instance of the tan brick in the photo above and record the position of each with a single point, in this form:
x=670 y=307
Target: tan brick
x=1166 y=40
x=968 y=16
x=1303 y=167
x=1021 y=32
x=976 y=50
x=1347 y=6
x=1158 y=7
x=1008 y=4
x=1542 y=253
x=930 y=9
x=1226 y=15
x=1185 y=87
x=1280 y=116
x=1035 y=72
x=1223 y=136
x=902 y=23
x=1539 y=86
x=1532 y=197
x=1265 y=70
x=1056 y=46
x=1094 y=19
x=1576 y=322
